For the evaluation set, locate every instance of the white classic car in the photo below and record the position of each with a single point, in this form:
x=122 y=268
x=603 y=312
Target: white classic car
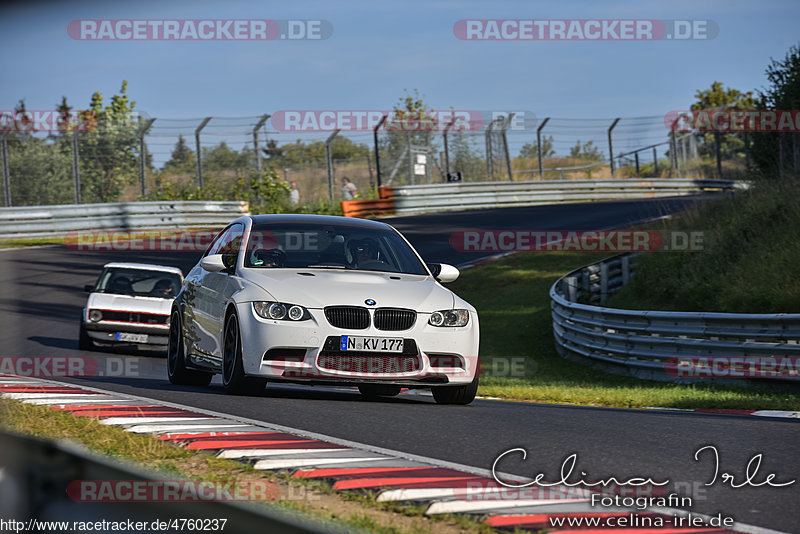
x=322 y=300
x=130 y=303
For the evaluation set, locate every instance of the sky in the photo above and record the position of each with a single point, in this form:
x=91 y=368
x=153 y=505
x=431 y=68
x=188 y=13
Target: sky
x=379 y=48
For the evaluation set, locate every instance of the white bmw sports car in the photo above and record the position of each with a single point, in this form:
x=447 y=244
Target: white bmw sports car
x=322 y=300
x=130 y=303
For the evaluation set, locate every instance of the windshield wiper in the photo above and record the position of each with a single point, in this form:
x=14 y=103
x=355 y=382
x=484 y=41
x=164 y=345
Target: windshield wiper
x=325 y=266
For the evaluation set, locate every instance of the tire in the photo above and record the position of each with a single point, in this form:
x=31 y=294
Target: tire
x=84 y=340
x=177 y=372
x=234 y=380
x=456 y=394
x=371 y=391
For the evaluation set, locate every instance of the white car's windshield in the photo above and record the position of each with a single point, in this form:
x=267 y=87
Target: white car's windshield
x=330 y=247
x=138 y=282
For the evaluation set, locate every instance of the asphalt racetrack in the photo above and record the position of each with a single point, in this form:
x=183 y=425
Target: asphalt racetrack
x=41 y=296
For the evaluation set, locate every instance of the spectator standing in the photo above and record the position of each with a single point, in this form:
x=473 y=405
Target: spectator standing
x=294 y=193
x=349 y=189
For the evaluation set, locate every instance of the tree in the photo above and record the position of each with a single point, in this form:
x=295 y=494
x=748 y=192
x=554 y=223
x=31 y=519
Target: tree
x=109 y=152
x=409 y=127
x=182 y=158
x=224 y=158
x=719 y=97
x=531 y=150
x=586 y=151
x=783 y=93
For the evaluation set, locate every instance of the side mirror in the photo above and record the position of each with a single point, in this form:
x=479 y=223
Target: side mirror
x=88 y=288
x=444 y=272
x=213 y=263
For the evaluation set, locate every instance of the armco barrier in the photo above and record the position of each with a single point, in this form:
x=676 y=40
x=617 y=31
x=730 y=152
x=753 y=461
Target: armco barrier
x=646 y=343
x=36 y=474
x=48 y=221
x=473 y=195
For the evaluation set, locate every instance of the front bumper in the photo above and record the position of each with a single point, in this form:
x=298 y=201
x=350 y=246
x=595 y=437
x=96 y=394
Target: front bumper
x=307 y=351
x=107 y=331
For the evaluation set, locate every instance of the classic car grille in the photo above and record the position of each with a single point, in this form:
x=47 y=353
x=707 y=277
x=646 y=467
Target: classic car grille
x=394 y=319
x=349 y=317
x=369 y=363
x=134 y=317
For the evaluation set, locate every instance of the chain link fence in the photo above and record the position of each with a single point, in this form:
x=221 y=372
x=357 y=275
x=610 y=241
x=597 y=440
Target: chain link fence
x=218 y=158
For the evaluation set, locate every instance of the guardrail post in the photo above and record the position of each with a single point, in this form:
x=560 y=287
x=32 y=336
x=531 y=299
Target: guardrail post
x=6 y=175
x=572 y=288
x=626 y=269
x=143 y=153
x=611 y=148
x=539 y=147
x=377 y=151
x=329 y=162
x=258 y=126
x=199 y=157
x=75 y=174
x=603 y=283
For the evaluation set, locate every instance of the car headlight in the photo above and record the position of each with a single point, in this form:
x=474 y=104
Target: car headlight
x=281 y=311
x=449 y=318
x=95 y=316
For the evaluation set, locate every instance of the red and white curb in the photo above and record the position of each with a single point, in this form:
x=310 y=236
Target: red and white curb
x=446 y=487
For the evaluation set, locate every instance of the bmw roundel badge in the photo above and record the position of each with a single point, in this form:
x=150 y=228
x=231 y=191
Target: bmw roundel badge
x=369 y=302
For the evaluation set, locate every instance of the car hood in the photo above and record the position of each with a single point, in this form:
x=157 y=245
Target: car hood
x=108 y=301
x=316 y=288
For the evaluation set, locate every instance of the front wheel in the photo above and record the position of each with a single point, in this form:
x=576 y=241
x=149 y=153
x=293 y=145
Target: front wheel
x=176 y=358
x=234 y=380
x=456 y=394
x=84 y=340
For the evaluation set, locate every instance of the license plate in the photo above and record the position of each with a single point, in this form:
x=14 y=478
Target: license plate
x=132 y=338
x=373 y=344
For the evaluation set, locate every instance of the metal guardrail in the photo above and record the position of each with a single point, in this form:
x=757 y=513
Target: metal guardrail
x=36 y=474
x=472 y=195
x=48 y=221
x=645 y=343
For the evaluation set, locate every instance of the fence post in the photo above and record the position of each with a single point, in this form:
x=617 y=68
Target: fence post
x=506 y=124
x=447 y=151
x=489 y=169
x=258 y=126
x=377 y=151
x=626 y=269
x=636 y=157
x=611 y=148
x=572 y=289
x=655 y=162
x=143 y=153
x=329 y=162
x=6 y=176
x=539 y=147
x=717 y=143
x=794 y=153
x=199 y=158
x=75 y=174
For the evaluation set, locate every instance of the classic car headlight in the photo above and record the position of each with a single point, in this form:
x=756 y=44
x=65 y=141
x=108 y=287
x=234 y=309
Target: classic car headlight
x=95 y=315
x=449 y=318
x=280 y=311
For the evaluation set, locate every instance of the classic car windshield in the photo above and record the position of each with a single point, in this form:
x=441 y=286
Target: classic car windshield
x=138 y=282
x=316 y=246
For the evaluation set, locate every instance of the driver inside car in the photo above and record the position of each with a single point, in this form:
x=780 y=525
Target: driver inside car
x=274 y=257
x=364 y=251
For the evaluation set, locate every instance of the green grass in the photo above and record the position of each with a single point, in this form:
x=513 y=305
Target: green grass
x=310 y=498
x=750 y=262
x=512 y=299
x=31 y=242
